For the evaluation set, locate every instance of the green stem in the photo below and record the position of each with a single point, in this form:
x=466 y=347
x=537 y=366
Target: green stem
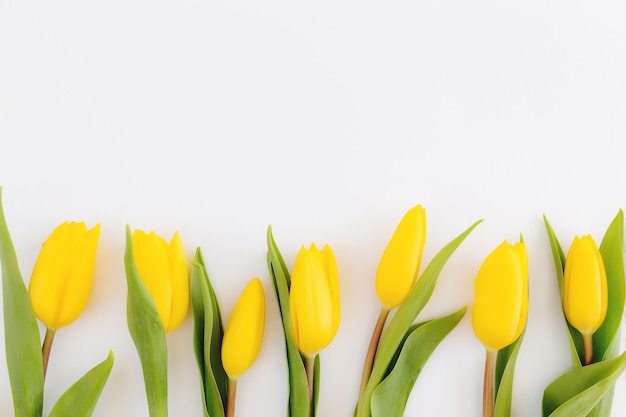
x=588 y=346
x=488 y=385
x=309 y=364
x=371 y=352
x=46 y=348
x=232 y=393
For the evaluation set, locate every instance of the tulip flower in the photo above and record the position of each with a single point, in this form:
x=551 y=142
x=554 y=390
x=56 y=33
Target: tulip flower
x=585 y=290
x=397 y=272
x=242 y=338
x=500 y=306
x=314 y=303
x=163 y=271
x=62 y=278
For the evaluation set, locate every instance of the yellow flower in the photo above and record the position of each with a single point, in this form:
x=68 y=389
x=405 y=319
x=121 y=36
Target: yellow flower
x=584 y=286
x=244 y=332
x=400 y=263
x=63 y=274
x=314 y=299
x=501 y=296
x=163 y=271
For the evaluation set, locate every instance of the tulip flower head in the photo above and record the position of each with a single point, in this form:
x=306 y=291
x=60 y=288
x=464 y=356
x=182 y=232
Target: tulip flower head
x=314 y=299
x=400 y=263
x=501 y=296
x=163 y=271
x=63 y=274
x=244 y=332
x=584 y=286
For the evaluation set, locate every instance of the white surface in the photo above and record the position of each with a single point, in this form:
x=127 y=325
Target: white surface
x=327 y=119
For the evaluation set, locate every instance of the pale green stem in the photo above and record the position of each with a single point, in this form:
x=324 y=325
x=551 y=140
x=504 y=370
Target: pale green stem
x=232 y=393
x=309 y=364
x=46 y=348
x=371 y=352
x=588 y=346
x=488 y=387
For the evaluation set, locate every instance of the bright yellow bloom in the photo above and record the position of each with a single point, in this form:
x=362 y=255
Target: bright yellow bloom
x=63 y=274
x=244 y=332
x=314 y=299
x=584 y=286
x=400 y=263
x=501 y=296
x=163 y=271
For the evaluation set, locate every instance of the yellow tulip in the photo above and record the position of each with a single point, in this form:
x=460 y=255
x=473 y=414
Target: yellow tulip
x=314 y=299
x=63 y=274
x=163 y=271
x=584 y=286
x=501 y=296
x=400 y=263
x=244 y=332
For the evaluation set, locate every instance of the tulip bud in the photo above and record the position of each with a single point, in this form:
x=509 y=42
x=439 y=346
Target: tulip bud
x=501 y=296
x=584 y=286
x=63 y=274
x=314 y=299
x=400 y=263
x=163 y=271
x=244 y=332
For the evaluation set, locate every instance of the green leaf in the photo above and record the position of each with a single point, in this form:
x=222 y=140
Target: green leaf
x=576 y=393
x=146 y=329
x=21 y=332
x=505 y=370
x=208 y=334
x=316 y=383
x=575 y=338
x=391 y=395
x=298 y=388
x=80 y=399
x=406 y=313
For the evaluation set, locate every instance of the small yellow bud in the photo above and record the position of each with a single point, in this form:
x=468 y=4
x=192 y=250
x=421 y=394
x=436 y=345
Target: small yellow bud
x=163 y=271
x=501 y=296
x=63 y=274
x=314 y=299
x=584 y=286
x=400 y=263
x=244 y=332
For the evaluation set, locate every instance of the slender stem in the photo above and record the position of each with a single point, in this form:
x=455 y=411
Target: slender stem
x=371 y=351
x=232 y=392
x=309 y=364
x=490 y=363
x=588 y=345
x=46 y=348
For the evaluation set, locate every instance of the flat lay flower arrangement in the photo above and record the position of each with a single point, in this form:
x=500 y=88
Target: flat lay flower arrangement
x=164 y=286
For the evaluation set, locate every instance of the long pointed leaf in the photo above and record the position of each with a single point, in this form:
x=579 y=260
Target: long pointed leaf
x=80 y=399
x=391 y=395
x=401 y=322
x=576 y=393
x=505 y=371
x=21 y=333
x=146 y=329
x=298 y=388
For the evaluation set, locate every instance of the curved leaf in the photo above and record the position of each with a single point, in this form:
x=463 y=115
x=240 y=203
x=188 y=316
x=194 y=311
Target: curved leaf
x=21 y=332
x=505 y=370
x=391 y=395
x=576 y=393
x=298 y=388
x=208 y=334
x=80 y=399
x=146 y=329
x=406 y=313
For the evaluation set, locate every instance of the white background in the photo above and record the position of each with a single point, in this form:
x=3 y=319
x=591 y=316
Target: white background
x=327 y=119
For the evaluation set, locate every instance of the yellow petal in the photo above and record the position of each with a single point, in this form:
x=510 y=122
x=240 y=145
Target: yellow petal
x=244 y=332
x=179 y=283
x=400 y=262
x=500 y=297
x=584 y=286
x=63 y=274
x=152 y=261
